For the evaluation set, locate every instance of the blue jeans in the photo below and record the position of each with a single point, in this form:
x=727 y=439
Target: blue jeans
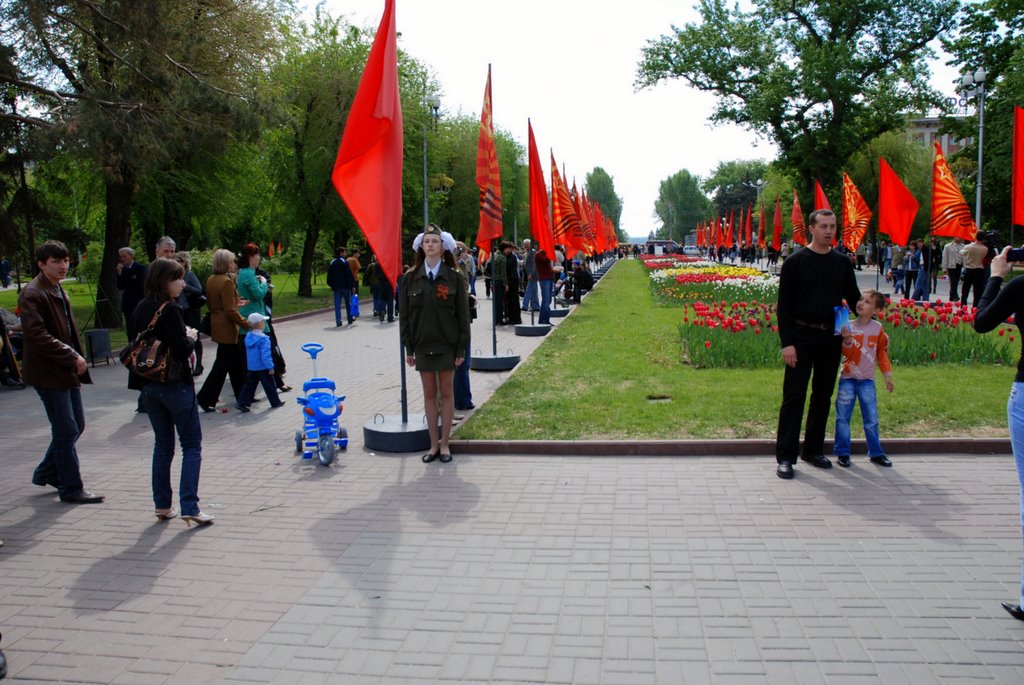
x=342 y=297
x=1015 y=417
x=530 y=294
x=170 y=407
x=545 y=302
x=850 y=391
x=257 y=377
x=67 y=421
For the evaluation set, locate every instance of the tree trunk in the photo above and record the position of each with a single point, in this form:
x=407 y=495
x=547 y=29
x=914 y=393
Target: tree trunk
x=176 y=225
x=308 y=254
x=117 y=234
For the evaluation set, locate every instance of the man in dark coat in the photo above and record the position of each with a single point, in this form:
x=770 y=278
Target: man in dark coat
x=343 y=283
x=130 y=278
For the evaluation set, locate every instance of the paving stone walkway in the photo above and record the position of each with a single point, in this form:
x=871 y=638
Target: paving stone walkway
x=516 y=569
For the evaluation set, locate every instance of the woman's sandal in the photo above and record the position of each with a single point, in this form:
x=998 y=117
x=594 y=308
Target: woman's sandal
x=431 y=456
x=445 y=457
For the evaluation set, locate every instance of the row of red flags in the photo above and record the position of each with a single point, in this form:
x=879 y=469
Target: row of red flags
x=368 y=176
x=897 y=207
x=574 y=220
x=368 y=171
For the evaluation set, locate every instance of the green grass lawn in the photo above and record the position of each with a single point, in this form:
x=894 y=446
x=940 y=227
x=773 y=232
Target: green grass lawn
x=614 y=369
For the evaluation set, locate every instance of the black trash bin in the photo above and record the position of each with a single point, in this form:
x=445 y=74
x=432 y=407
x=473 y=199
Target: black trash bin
x=97 y=345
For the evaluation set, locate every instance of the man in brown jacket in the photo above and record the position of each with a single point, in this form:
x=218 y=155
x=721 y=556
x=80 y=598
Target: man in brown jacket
x=54 y=365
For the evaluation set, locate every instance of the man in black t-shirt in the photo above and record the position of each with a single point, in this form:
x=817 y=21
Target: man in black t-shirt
x=813 y=282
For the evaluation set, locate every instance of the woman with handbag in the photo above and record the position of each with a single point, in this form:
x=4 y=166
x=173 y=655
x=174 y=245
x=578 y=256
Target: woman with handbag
x=191 y=302
x=170 y=399
x=225 y=326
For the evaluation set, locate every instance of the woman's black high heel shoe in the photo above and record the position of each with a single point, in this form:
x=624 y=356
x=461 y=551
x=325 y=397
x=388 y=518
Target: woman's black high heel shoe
x=431 y=456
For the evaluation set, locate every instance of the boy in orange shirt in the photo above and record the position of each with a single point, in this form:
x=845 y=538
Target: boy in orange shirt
x=865 y=344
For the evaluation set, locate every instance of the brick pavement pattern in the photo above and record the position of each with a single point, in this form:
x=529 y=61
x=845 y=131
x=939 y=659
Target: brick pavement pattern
x=523 y=569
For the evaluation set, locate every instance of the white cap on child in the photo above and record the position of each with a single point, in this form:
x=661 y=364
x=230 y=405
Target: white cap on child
x=255 y=319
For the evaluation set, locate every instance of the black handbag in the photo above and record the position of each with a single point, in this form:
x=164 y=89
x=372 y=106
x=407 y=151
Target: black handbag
x=150 y=357
x=204 y=324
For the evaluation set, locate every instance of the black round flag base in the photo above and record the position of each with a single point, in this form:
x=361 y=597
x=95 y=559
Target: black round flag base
x=390 y=434
x=496 y=363
x=533 y=330
x=559 y=313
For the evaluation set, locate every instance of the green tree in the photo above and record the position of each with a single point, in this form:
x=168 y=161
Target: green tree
x=817 y=77
x=991 y=35
x=680 y=205
x=132 y=85
x=601 y=189
x=733 y=184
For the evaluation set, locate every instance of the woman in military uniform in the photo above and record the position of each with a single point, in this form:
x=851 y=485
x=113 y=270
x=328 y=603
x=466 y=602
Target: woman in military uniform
x=434 y=326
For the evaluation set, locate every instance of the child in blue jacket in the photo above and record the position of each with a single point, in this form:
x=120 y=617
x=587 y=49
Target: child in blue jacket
x=261 y=365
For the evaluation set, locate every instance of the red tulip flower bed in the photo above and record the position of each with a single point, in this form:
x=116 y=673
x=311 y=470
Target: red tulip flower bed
x=745 y=335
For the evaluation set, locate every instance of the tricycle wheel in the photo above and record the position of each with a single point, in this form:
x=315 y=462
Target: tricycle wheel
x=326 y=449
x=298 y=442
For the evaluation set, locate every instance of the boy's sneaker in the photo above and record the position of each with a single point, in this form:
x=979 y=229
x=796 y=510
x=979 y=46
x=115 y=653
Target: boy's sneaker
x=844 y=461
x=242 y=408
x=882 y=460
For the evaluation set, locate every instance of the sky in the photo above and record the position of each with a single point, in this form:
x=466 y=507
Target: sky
x=569 y=66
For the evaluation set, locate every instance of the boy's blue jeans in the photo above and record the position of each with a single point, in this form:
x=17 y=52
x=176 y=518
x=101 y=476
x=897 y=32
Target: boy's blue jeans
x=851 y=390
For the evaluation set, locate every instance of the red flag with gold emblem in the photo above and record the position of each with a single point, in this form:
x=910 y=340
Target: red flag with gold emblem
x=488 y=176
x=950 y=214
x=856 y=215
x=777 y=225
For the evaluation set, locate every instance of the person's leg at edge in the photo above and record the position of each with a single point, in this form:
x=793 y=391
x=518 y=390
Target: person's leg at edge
x=1015 y=417
x=867 y=395
x=429 y=380
x=185 y=413
x=337 y=307
x=446 y=388
x=845 y=399
x=266 y=379
x=826 y=358
x=160 y=418
x=209 y=394
x=545 y=302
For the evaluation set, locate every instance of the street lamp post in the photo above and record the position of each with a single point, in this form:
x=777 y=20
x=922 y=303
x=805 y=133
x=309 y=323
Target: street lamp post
x=977 y=80
x=433 y=104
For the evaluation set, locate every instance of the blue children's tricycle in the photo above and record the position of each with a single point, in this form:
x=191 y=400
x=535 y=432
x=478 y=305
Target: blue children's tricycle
x=321 y=410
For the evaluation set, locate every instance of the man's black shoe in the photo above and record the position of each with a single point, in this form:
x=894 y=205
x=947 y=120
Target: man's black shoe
x=41 y=482
x=844 y=461
x=785 y=469
x=819 y=460
x=1014 y=610
x=882 y=460
x=82 y=497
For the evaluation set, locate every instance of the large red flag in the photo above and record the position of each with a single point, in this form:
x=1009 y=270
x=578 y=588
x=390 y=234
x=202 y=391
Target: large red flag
x=950 y=215
x=777 y=225
x=896 y=206
x=729 y=242
x=856 y=215
x=762 y=236
x=368 y=170
x=797 y=217
x=820 y=201
x=1017 y=182
x=540 y=225
x=488 y=176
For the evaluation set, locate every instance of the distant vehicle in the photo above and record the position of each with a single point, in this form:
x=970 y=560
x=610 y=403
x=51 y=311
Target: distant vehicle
x=691 y=251
x=663 y=247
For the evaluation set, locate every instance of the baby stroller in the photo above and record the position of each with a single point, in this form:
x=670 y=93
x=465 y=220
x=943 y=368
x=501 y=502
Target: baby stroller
x=321 y=409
